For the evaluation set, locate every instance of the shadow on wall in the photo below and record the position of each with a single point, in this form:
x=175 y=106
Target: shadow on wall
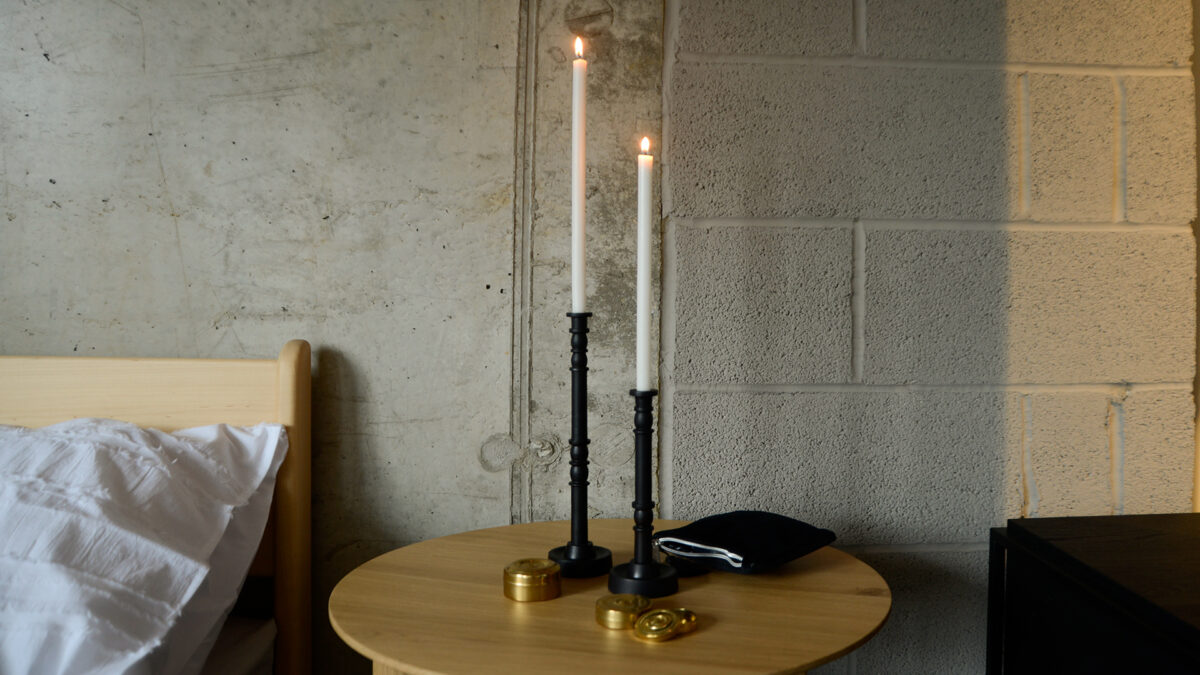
x=338 y=467
x=841 y=287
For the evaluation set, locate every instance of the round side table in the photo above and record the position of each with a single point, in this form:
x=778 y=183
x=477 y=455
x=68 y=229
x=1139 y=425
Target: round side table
x=438 y=607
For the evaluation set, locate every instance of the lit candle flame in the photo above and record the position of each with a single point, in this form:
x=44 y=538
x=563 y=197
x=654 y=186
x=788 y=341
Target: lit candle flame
x=579 y=48
x=645 y=145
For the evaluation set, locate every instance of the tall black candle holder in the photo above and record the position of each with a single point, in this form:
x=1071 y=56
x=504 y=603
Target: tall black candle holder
x=580 y=558
x=643 y=575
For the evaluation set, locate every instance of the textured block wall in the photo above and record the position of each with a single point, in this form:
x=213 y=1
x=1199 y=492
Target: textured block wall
x=927 y=266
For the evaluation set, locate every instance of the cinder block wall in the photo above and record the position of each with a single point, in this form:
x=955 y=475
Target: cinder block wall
x=927 y=265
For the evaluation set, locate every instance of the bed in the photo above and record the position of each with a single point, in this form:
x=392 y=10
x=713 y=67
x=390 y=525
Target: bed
x=177 y=394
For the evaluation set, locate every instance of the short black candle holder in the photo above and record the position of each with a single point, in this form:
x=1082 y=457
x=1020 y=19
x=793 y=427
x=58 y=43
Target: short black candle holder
x=643 y=575
x=580 y=558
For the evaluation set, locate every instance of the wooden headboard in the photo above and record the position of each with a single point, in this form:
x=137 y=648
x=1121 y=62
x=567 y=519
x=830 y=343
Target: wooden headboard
x=173 y=394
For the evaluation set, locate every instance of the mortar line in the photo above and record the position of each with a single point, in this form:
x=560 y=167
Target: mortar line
x=858 y=304
x=855 y=61
x=1116 y=449
x=666 y=345
x=1026 y=153
x=936 y=225
x=859 y=21
x=1029 y=506
x=1120 y=151
x=1106 y=388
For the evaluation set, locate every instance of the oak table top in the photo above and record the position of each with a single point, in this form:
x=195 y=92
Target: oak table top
x=438 y=607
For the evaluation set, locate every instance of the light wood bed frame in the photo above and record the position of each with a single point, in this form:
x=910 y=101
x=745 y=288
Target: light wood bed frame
x=173 y=394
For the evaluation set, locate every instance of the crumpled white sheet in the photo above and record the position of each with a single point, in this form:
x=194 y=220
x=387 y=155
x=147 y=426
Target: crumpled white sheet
x=107 y=530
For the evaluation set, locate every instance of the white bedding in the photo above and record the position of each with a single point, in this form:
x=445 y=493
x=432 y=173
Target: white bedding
x=108 y=532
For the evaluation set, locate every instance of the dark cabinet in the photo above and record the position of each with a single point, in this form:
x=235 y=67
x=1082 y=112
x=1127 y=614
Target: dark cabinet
x=1104 y=594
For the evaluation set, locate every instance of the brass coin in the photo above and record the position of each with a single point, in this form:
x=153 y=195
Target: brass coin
x=621 y=610
x=657 y=625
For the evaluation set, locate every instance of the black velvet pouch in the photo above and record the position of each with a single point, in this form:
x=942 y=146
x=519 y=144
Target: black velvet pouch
x=744 y=542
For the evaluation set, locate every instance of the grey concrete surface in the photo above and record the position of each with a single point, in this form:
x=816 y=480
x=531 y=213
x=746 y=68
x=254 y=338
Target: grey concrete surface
x=1017 y=178
x=1031 y=31
x=797 y=27
x=1157 y=459
x=1161 y=169
x=1027 y=306
x=935 y=306
x=789 y=317
x=939 y=599
x=1069 y=456
x=788 y=140
x=1072 y=147
x=938 y=467
x=623 y=44
x=186 y=179
x=212 y=179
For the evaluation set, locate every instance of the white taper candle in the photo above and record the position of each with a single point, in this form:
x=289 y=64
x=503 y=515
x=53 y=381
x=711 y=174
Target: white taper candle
x=578 y=181
x=645 y=165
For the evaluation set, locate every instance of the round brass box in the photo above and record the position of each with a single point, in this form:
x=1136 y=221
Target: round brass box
x=621 y=610
x=657 y=625
x=532 y=579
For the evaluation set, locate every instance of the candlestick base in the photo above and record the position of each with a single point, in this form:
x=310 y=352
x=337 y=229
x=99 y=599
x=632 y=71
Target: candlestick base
x=582 y=561
x=653 y=579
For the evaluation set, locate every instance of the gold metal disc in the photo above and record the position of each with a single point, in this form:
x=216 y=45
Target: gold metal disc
x=657 y=625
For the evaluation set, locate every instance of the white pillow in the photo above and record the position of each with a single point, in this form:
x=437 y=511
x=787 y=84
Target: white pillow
x=186 y=646
x=109 y=533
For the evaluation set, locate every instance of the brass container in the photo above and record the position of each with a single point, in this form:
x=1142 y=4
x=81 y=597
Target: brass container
x=621 y=610
x=532 y=579
x=657 y=625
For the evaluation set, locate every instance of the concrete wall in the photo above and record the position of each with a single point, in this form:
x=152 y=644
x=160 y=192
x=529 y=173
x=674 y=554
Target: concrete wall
x=212 y=179
x=383 y=179
x=927 y=266
x=624 y=51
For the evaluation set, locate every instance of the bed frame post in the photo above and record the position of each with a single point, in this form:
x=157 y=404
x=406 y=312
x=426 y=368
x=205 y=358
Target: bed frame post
x=293 y=513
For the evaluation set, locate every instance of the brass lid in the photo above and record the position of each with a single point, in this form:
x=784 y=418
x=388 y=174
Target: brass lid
x=532 y=579
x=657 y=625
x=620 y=610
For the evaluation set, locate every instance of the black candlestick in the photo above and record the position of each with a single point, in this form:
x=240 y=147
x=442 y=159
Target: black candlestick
x=579 y=558
x=643 y=575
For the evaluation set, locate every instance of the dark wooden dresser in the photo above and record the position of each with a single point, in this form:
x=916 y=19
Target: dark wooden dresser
x=1104 y=594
